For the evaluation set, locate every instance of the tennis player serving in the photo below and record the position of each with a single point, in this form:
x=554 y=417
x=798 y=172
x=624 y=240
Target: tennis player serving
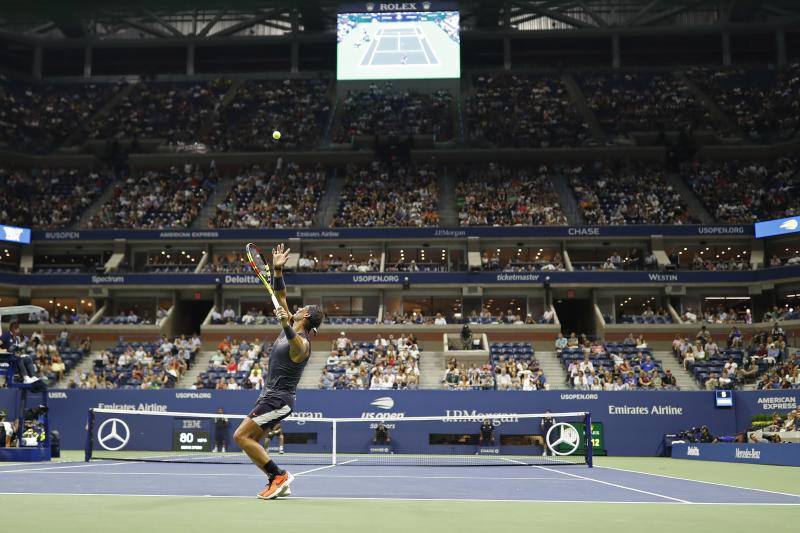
x=287 y=360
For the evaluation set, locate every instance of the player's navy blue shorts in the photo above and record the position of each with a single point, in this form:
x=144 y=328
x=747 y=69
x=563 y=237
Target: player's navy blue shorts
x=270 y=409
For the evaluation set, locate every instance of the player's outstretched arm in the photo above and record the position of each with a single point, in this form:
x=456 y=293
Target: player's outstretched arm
x=279 y=257
x=298 y=346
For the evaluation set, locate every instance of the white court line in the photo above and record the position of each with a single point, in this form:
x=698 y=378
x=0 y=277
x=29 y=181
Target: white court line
x=177 y=474
x=699 y=481
x=604 y=482
x=324 y=467
x=375 y=498
x=82 y=465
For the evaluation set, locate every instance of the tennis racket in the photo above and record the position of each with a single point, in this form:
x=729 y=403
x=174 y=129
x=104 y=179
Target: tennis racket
x=262 y=270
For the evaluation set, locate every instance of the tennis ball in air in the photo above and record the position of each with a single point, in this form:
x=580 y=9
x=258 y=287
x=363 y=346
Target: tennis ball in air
x=276 y=135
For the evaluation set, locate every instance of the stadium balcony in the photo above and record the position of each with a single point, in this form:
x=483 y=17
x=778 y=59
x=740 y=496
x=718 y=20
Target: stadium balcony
x=37 y=118
x=630 y=103
x=514 y=110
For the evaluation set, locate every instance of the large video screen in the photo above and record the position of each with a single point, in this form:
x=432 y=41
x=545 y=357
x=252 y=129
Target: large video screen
x=408 y=45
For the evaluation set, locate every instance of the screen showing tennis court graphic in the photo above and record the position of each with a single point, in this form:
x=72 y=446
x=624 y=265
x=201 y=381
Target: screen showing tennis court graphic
x=407 y=45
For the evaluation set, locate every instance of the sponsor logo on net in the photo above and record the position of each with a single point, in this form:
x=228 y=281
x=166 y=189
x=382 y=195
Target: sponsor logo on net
x=771 y=403
x=478 y=417
x=693 y=451
x=658 y=410
x=746 y=453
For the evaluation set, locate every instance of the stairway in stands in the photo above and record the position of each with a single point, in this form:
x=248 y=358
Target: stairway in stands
x=553 y=369
x=200 y=365
x=329 y=203
x=313 y=371
x=431 y=369
x=683 y=377
x=101 y=200
x=210 y=208
x=694 y=204
x=448 y=212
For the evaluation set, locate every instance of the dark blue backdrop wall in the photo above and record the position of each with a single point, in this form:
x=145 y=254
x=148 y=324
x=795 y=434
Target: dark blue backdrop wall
x=634 y=422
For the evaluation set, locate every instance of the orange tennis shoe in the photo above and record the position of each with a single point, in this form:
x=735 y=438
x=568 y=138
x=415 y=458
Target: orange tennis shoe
x=276 y=486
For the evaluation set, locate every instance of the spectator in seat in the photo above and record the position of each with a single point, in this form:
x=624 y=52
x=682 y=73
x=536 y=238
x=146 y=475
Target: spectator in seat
x=669 y=381
x=712 y=382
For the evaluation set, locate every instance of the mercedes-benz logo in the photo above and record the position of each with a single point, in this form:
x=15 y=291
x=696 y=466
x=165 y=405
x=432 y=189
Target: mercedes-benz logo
x=117 y=435
x=565 y=434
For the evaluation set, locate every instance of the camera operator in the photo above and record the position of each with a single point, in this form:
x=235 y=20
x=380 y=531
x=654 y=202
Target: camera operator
x=381 y=435
x=466 y=337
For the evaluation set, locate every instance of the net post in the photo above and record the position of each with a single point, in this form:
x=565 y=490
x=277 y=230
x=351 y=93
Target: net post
x=589 y=441
x=333 y=444
x=89 y=436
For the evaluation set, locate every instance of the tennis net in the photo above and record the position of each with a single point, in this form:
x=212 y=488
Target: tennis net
x=485 y=439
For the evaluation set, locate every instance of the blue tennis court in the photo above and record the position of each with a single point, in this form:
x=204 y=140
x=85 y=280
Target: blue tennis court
x=508 y=483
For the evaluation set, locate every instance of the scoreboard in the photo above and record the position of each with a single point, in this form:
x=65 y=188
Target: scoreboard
x=192 y=434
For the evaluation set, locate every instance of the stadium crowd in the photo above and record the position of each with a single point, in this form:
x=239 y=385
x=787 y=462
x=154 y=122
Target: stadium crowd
x=175 y=112
x=298 y=108
x=636 y=102
x=286 y=197
x=762 y=103
x=157 y=199
x=236 y=365
x=611 y=366
x=37 y=118
x=66 y=193
x=382 y=110
x=738 y=192
x=150 y=365
x=383 y=364
x=495 y=195
x=619 y=193
x=522 y=111
x=388 y=195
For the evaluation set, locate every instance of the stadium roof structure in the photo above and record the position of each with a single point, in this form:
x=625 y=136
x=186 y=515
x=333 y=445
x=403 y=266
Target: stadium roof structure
x=108 y=20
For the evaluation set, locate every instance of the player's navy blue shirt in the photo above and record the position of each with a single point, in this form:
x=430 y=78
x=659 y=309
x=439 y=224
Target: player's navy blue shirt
x=284 y=374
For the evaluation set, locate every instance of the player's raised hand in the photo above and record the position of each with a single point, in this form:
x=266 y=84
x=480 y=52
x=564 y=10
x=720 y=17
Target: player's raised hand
x=279 y=256
x=283 y=315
